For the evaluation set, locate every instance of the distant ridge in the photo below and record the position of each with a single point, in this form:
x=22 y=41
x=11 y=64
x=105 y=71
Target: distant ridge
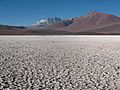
x=93 y=23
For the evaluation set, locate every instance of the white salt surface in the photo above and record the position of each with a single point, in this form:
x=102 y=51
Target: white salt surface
x=59 y=62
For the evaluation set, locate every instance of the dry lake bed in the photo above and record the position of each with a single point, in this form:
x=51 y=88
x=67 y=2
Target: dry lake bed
x=59 y=62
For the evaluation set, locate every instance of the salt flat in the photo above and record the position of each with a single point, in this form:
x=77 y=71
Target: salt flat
x=60 y=62
x=112 y=38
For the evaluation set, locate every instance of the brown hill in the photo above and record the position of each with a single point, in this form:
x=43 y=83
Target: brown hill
x=15 y=30
x=92 y=21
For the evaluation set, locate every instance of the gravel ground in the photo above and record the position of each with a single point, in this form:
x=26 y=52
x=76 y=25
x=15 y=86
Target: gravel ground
x=60 y=63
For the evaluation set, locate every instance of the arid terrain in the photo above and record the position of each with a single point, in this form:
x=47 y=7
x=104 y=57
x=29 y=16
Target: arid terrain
x=59 y=62
x=93 y=23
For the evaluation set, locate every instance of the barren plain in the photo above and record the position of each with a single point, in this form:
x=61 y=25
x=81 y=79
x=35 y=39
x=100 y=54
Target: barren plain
x=59 y=62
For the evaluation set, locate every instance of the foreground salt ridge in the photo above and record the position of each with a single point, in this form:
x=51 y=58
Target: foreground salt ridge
x=55 y=64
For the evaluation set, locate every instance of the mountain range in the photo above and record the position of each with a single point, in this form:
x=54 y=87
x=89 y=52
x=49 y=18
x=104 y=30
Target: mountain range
x=94 y=23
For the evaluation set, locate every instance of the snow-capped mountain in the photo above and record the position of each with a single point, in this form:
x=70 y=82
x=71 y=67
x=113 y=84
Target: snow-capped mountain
x=96 y=22
x=93 y=23
x=53 y=22
x=49 y=21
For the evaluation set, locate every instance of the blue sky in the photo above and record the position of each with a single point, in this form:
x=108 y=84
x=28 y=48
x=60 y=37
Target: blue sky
x=26 y=12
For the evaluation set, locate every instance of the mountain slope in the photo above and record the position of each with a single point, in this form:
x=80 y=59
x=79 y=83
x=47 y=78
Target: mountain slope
x=51 y=23
x=11 y=30
x=93 y=23
x=19 y=30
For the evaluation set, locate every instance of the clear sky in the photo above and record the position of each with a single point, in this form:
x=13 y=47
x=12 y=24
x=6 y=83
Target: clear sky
x=27 y=12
